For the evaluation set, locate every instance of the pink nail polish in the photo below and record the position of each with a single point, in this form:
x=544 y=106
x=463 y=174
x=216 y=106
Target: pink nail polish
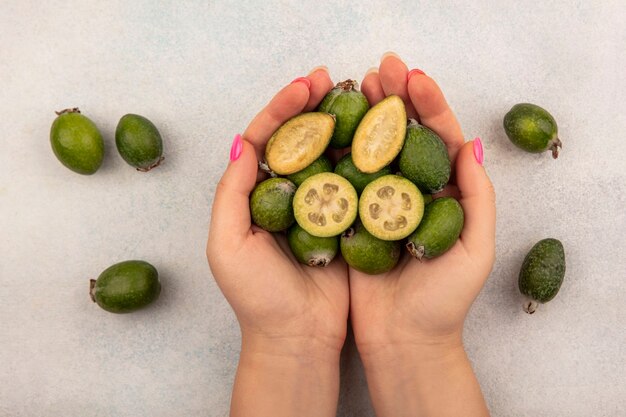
x=478 y=151
x=236 y=148
x=302 y=80
x=413 y=72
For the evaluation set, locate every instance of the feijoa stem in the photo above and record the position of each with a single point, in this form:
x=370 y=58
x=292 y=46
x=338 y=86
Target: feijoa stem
x=264 y=166
x=348 y=233
x=530 y=306
x=416 y=251
x=156 y=164
x=554 y=147
x=321 y=262
x=92 y=289
x=69 y=110
x=348 y=85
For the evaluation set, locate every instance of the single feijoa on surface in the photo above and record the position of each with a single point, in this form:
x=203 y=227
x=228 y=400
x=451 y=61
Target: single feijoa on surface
x=348 y=105
x=391 y=207
x=532 y=129
x=271 y=205
x=325 y=204
x=299 y=142
x=321 y=164
x=311 y=250
x=346 y=168
x=77 y=142
x=542 y=273
x=367 y=253
x=424 y=159
x=380 y=135
x=439 y=229
x=126 y=286
x=139 y=142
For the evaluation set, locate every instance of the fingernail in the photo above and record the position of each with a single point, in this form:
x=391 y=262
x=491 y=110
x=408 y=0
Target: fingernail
x=372 y=70
x=413 y=72
x=319 y=68
x=236 y=148
x=388 y=54
x=478 y=151
x=302 y=80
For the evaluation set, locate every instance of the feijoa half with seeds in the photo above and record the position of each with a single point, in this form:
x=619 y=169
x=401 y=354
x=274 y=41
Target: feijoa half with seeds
x=439 y=229
x=380 y=135
x=271 y=204
x=391 y=207
x=299 y=142
x=348 y=105
x=542 y=273
x=126 y=286
x=77 y=142
x=321 y=164
x=532 y=129
x=366 y=253
x=139 y=142
x=325 y=204
x=311 y=250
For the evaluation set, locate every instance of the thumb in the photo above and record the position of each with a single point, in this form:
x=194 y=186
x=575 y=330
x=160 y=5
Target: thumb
x=478 y=200
x=230 y=216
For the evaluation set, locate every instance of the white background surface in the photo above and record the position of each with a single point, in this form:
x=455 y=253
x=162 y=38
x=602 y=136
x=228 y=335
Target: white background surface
x=200 y=71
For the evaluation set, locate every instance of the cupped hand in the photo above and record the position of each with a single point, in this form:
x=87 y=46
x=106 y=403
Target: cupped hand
x=279 y=303
x=425 y=303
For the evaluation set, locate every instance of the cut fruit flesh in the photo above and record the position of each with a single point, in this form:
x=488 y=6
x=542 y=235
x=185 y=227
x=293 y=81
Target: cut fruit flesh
x=380 y=135
x=325 y=204
x=299 y=142
x=391 y=207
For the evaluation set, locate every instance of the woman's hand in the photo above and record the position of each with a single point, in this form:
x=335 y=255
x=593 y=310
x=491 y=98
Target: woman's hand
x=293 y=318
x=409 y=321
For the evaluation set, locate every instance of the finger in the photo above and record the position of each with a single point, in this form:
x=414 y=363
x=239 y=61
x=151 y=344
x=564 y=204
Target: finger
x=289 y=102
x=393 y=77
x=478 y=201
x=230 y=216
x=321 y=84
x=371 y=87
x=433 y=110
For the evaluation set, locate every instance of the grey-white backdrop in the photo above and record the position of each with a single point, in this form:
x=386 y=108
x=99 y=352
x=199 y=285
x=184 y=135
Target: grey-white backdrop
x=201 y=70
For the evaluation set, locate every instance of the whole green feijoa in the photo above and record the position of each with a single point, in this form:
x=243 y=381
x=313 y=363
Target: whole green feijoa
x=77 y=142
x=439 y=229
x=271 y=204
x=126 y=286
x=139 y=142
x=366 y=253
x=321 y=164
x=348 y=105
x=311 y=250
x=542 y=273
x=424 y=158
x=346 y=168
x=532 y=129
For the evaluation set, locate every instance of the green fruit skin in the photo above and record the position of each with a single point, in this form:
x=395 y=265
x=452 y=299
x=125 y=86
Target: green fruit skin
x=346 y=168
x=138 y=141
x=530 y=127
x=77 y=143
x=271 y=204
x=424 y=159
x=348 y=106
x=439 y=229
x=543 y=270
x=427 y=198
x=366 y=253
x=127 y=286
x=312 y=250
x=321 y=164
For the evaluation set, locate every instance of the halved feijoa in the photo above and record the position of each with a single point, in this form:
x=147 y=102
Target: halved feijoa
x=439 y=229
x=380 y=135
x=299 y=142
x=348 y=105
x=346 y=168
x=321 y=164
x=325 y=204
x=311 y=250
x=424 y=158
x=367 y=253
x=271 y=204
x=391 y=207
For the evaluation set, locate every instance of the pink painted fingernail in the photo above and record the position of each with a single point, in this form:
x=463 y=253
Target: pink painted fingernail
x=478 y=151
x=236 y=148
x=413 y=72
x=302 y=80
